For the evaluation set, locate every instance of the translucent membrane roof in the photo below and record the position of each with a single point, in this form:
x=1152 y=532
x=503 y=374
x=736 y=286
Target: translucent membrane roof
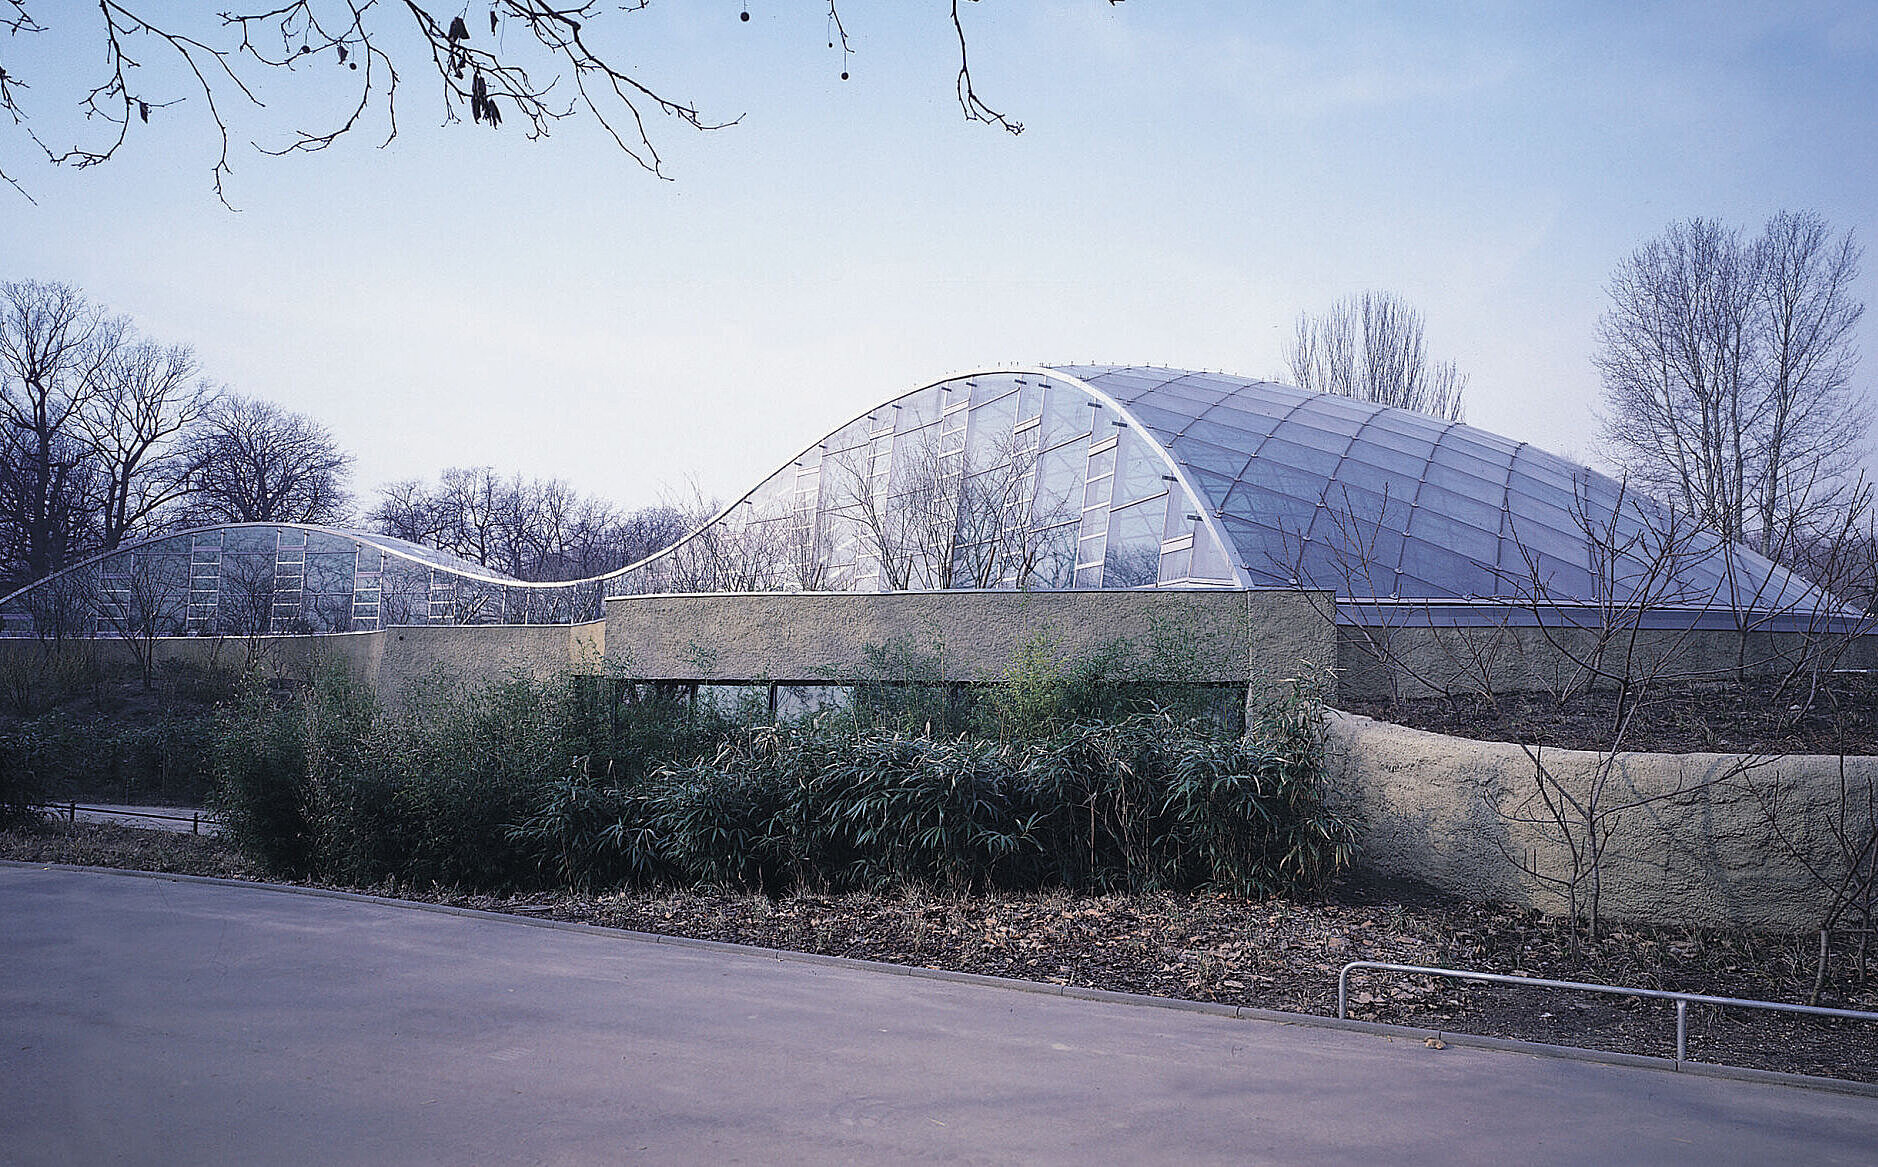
x=1040 y=478
x=1378 y=503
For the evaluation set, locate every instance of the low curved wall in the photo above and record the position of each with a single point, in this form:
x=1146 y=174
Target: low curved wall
x=1710 y=840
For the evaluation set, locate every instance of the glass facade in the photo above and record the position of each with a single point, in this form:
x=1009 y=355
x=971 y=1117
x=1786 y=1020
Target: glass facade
x=1069 y=477
x=254 y=579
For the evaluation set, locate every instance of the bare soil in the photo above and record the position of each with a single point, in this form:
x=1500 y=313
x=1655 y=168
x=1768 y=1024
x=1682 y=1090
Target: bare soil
x=1272 y=954
x=1754 y=716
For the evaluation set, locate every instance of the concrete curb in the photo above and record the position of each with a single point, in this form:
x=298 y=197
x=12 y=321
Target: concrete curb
x=1076 y=992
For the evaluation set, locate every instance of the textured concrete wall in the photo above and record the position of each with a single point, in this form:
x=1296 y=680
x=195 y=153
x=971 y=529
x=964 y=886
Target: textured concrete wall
x=1238 y=635
x=1701 y=842
x=1439 y=661
x=476 y=652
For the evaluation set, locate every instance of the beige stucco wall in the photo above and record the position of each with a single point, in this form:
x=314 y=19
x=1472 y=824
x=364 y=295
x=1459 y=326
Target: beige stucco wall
x=1239 y=635
x=1440 y=661
x=1698 y=847
x=471 y=652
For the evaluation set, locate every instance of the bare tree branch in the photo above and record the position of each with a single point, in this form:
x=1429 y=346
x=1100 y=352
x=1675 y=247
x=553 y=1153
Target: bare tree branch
x=537 y=62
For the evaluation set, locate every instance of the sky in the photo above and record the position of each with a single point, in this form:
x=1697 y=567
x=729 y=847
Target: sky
x=1191 y=177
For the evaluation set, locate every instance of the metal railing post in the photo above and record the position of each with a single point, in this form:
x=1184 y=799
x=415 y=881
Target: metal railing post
x=1682 y=1000
x=1682 y=1030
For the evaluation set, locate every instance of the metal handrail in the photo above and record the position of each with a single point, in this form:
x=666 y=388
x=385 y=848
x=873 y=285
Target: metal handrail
x=1683 y=1000
x=71 y=809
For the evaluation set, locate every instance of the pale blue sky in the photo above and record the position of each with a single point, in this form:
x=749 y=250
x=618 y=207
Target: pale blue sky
x=1191 y=177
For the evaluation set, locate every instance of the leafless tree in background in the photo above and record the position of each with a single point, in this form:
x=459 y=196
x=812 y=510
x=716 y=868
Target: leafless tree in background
x=254 y=462
x=140 y=598
x=1727 y=368
x=1370 y=348
x=968 y=518
x=148 y=399
x=534 y=529
x=532 y=62
x=50 y=349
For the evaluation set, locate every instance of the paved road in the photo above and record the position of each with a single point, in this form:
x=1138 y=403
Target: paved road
x=150 y=1021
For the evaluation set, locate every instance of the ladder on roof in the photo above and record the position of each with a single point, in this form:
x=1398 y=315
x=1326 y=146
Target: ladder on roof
x=114 y=602
x=442 y=597
x=289 y=580
x=367 y=591
x=205 y=582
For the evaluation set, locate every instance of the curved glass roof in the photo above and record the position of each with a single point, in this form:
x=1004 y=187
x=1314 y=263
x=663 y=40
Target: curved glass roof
x=1375 y=502
x=1084 y=476
x=1130 y=476
x=250 y=579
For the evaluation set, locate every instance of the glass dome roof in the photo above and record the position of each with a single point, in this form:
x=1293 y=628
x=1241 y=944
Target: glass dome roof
x=1078 y=476
x=1374 y=502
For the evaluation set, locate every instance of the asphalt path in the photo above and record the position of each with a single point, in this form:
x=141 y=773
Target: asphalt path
x=148 y=1020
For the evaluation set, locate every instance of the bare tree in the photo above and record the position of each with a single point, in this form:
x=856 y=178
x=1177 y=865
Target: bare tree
x=52 y=342
x=1727 y=369
x=944 y=516
x=535 y=63
x=148 y=397
x=1836 y=844
x=532 y=528
x=142 y=596
x=254 y=462
x=1370 y=348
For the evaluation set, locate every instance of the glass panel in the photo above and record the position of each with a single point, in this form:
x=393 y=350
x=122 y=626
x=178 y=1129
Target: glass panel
x=1431 y=526
x=1029 y=401
x=1319 y=463
x=1240 y=440
x=1455 y=465
x=1224 y=462
x=920 y=409
x=1179 y=506
x=1066 y=414
x=990 y=388
x=1479 y=510
x=1382 y=459
x=1142 y=469
x=1059 y=484
x=1054 y=560
x=1209 y=561
x=1213 y=487
x=251 y=539
x=991 y=432
x=1176 y=565
x=1270 y=507
x=1165 y=421
x=1336 y=419
x=1133 y=557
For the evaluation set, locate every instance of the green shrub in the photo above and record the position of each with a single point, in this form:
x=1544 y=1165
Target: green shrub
x=1144 y=804
x=432 y=788
x=153 y=758
x=584 y=782
x=260 y=768
x=21 y=789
